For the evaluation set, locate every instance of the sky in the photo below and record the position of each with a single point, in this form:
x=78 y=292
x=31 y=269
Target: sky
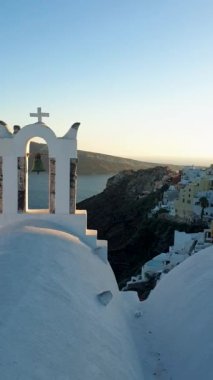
x=137 y=74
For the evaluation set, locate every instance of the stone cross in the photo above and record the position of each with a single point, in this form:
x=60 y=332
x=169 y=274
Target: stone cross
x=39 y=114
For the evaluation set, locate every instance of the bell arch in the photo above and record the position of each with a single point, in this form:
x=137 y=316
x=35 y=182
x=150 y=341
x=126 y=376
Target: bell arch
x=33 y=130
x=23 y=140
x=37 y=176
x=62 y=172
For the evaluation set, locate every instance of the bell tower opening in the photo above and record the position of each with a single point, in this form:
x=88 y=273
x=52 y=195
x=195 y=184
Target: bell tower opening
x=37 y=175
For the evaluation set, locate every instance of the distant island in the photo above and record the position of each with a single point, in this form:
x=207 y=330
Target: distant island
x=90 y=163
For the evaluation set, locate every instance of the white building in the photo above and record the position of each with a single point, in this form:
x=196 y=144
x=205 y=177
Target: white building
x=184 y=246
x=62 y=314
x=191 y=174
x=168 y=202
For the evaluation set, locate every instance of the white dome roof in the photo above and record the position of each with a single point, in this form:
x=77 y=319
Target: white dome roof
x=52 y=323
x=179 y=314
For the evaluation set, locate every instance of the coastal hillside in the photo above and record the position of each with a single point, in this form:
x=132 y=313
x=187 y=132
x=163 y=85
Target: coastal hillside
x=121 y=214
x=96 y=163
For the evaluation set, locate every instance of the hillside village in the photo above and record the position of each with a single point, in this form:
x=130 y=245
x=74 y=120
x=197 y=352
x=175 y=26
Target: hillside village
x=188 y=198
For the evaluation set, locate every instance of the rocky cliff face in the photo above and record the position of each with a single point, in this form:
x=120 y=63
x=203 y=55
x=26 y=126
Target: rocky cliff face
x=137 y=184
x=120 y=214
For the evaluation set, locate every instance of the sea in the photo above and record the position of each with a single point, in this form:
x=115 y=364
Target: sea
x=87 y=186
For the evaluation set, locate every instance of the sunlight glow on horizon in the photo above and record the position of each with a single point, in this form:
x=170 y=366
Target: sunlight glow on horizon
x=138 y=76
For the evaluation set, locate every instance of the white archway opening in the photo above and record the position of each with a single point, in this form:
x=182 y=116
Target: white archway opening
x=37 y=176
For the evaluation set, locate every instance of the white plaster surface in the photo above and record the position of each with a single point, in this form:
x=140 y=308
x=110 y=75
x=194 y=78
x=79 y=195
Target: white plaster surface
x=4 y=132
x=14 y=146
x=52 y=325
x=176 y=322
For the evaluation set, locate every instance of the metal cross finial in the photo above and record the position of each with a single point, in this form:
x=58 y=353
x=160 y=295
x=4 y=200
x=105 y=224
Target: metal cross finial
x=39 y=114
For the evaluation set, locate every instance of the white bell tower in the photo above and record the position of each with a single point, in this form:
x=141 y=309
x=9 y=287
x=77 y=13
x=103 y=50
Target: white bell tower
x=14 y=150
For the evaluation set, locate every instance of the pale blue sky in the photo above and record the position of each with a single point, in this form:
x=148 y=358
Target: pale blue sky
x=137 y=74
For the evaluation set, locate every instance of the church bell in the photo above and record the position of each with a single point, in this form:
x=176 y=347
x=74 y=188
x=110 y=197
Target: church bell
x=38 y=165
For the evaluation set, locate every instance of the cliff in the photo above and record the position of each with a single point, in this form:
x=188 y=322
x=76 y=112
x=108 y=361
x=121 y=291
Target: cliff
x=121 y=215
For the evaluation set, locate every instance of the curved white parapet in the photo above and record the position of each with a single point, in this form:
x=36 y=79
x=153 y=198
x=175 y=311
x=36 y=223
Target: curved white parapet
x=14 y=153
x=72 y=133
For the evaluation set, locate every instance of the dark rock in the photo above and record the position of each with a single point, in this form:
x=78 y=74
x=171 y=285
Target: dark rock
x=121 y=215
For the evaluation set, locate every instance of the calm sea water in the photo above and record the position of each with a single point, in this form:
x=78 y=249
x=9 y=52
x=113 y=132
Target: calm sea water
x=87 y=186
